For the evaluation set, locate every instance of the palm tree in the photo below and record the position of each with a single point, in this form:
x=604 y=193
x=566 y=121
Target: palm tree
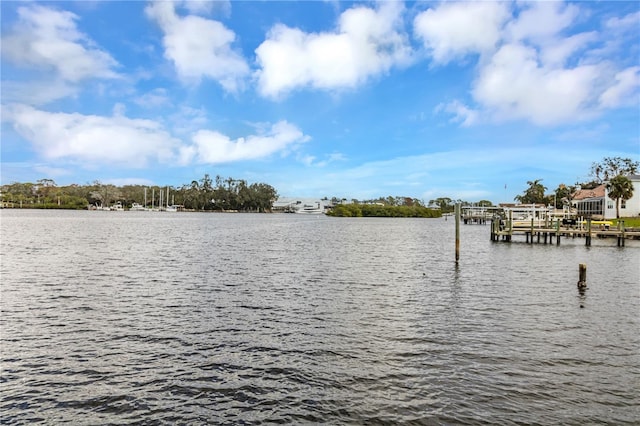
x=620 y=187
x=534 y=194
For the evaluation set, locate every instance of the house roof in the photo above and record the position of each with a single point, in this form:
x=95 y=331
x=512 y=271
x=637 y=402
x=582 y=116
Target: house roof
x=583 y=194
x=596 y=192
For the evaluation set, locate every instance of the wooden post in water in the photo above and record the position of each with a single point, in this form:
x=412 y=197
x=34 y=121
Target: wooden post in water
x=619 y=232
x=582 y=275
x=457 y=209
x=588 y=238
x=532 y=231
x=495 y=222
x=510 y=225
x=493 y=229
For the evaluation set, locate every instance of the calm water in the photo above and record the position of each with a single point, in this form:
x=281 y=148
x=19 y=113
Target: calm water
x=161 y=318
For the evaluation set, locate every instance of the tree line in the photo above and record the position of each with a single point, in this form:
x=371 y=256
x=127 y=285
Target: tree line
x=228 y=194
x=206 y=194
x=382 y=210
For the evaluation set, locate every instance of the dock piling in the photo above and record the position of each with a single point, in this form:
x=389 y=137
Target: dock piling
x=582 y=275
x=532 y=232
x=457 y=210
x=621 y=234
x=503 y=228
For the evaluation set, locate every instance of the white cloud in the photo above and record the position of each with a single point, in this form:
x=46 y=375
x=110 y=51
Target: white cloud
x=620 y=36
x=90 y=139
x=456 y=29
x=366 y=43
x=532 y=65
x=557 y=53
x=187 y=120
x=45 y=38
x=541 y=21
x=311 y=160
x=36 y=92
x=213 y=147
x=199 y=48
x=624 y=91
x=461 y=113
x=206 y=7
x=630 y=21
x=307 y=160
x=514 y=85
x=197 y=7
x=155 y=98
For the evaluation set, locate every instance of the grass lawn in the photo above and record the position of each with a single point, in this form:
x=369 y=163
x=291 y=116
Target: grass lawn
x=629 y=222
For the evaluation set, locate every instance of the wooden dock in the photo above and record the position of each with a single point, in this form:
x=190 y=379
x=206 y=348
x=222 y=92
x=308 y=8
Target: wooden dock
x=478 y=215
x=548 y=231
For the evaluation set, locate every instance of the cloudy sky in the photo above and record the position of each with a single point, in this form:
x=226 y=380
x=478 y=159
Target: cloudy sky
x=468 y=100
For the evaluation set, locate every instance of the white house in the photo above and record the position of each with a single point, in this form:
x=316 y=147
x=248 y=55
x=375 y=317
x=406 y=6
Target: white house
x=597 y=204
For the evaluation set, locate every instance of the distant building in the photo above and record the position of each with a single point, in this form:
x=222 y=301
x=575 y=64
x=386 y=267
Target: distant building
x=591 y=202
x=597 y=204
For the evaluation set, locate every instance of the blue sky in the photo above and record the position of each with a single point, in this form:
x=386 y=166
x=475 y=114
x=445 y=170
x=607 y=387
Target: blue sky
x=467 y=100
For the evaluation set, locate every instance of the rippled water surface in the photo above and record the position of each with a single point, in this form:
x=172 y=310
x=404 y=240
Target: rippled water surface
x=188 y=318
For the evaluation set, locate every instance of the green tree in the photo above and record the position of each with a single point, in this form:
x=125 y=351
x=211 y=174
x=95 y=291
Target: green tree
x=534 y=194
x=264 y=195
x=45 y=190
x=613 y=166
x=20 y=193
x=191 y=195
x=376 y=210
x=620 y=188
x=564 y=195
x=105 y=195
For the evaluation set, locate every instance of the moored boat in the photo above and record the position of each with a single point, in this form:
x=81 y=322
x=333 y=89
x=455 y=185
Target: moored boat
x=315 y=208
x=137 y=207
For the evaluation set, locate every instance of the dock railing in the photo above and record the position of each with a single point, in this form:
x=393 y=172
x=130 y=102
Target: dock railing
x=543 y=228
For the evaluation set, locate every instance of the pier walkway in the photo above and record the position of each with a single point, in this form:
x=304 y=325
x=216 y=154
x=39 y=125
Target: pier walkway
x=546 y=231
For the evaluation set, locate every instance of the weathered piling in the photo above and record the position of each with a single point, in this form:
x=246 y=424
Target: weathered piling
x=495 y=228
x=621 y=234
x=582 y=275
x=457 y=210
x=588 y=238
x=531 y=232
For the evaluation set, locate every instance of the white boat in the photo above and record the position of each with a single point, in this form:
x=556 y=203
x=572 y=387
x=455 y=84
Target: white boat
x=315 y=208
x=172 y=208
x=117 y=207
x=137 y=207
